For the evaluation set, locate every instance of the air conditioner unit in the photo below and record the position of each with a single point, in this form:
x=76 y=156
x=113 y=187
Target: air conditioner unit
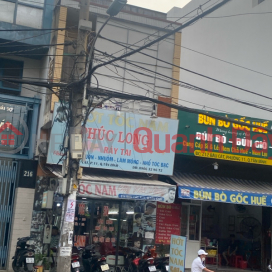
x=42 y=148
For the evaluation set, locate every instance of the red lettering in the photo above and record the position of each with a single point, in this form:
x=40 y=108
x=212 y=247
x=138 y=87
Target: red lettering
x=147 y=149
x=112 y=191
x=104 y=192
x=157 y=144
x=120 y=137
x=97 y=189
x=174 y=145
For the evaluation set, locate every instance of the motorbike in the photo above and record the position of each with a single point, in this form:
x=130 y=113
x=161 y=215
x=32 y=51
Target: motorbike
x=23 y=260
x=162 y=264
x=93 y=261
x=75 y=260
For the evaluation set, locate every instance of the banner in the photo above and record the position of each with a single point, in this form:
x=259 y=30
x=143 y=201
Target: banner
x=168 y=222
x=177 y=253
x=203 y=136
x=126 y=191
x=120 y=141
x=224 y=196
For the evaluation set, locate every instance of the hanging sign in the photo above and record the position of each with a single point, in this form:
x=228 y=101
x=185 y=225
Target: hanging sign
x=167 y=222
x=127 y=191
x=225 y=196
x=207 y=137
x=125 y=141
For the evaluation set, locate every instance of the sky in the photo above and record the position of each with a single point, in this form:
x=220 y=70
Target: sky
x=159 y=5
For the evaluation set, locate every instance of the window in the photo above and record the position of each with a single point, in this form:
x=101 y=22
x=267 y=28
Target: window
x=10 y=69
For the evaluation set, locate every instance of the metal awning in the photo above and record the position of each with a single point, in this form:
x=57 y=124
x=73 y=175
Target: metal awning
x=119 y=185
x=223 y=189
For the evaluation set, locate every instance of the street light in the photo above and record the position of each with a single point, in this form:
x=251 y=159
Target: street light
x=115 y=7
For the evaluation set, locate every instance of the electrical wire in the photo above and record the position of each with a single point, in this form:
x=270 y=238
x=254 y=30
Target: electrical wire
x=195 y=51
x=193 y=87
x=190 y=71
x=157 y=40
x=103 y=92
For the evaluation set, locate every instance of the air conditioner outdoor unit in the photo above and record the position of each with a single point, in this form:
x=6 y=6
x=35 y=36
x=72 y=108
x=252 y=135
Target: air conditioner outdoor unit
x=42 y=148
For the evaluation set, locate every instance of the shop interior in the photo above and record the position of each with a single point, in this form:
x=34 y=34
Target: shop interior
x=106 y=224
x=248 y=226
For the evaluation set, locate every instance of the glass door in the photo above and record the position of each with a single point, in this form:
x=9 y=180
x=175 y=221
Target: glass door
x=191 y=228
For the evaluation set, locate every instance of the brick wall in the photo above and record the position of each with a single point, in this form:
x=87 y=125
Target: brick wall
x=164 y=111
x=22 y=215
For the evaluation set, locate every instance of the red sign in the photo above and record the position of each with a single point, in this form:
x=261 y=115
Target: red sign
x=167 y=222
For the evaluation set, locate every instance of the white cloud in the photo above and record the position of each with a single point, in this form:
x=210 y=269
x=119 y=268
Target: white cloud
x=159 y=5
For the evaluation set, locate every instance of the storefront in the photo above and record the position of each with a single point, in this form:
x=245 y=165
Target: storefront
x=213 y=208
x=115 y=210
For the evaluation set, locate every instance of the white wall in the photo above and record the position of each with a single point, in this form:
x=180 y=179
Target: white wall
x=241 y=40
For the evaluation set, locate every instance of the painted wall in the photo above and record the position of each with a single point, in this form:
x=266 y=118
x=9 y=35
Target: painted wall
x=243 y=40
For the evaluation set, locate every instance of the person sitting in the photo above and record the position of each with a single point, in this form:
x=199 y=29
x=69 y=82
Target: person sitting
x=232 y=249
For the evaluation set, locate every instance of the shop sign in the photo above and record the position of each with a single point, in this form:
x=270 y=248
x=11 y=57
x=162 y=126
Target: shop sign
x=123 y=141
x=177 y=253
x=168 y=222
x=203 y=136
x=224 y=196
x=126 y=191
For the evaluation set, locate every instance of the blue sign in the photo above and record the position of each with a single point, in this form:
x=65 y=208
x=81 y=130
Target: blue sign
x=120 y=141
x=225 y=196
x=177 y=253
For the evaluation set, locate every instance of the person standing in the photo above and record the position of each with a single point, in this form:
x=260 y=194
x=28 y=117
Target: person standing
x=197 y=264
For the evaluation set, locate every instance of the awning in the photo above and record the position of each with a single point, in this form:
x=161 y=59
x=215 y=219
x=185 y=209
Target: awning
x=222 y=189
x=123 y=185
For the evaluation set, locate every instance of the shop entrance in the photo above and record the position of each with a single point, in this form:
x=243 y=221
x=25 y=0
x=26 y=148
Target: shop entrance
x=109 y=226
x=191 y=229
x=243 y=224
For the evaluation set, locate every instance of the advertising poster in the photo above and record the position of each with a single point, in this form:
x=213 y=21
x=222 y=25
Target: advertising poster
x=168 y=222
x=70 y=212
x=125 y=141
x=177 y=253
x=47 y=234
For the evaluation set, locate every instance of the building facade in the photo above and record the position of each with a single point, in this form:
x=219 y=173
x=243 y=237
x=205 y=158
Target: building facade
x=230 y=45
x=25 y=40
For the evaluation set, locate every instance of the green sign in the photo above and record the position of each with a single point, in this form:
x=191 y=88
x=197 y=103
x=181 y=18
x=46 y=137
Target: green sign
x=207 y=137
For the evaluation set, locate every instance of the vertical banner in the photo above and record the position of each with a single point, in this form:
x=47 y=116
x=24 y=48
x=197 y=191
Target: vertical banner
x=168 y=222
x=177 y=253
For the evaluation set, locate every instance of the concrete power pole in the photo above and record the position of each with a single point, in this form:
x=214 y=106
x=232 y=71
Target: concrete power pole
x=75 y=144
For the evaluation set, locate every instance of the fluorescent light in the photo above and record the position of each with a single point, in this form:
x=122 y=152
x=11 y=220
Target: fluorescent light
x=84 y=197
x=58 y=204
x=113 y=219
x=113 y=212
x=129 y=212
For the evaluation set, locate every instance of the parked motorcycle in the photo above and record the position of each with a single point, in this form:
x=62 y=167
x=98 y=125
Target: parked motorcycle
x=162 y=264
x=93 y=261
x=23 y=260
x=75 y=260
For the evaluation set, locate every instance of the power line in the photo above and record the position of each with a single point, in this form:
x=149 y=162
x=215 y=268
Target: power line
x=32 y=29
x=19 y=40
x=190 y=71
x=157 y=40
x=192 y=87
x=195 y=51
x=103 y=92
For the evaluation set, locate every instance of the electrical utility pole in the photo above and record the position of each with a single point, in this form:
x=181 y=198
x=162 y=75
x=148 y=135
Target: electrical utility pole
x=71 y=167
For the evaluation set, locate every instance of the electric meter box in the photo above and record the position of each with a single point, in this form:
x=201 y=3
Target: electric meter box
x=76 y=146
